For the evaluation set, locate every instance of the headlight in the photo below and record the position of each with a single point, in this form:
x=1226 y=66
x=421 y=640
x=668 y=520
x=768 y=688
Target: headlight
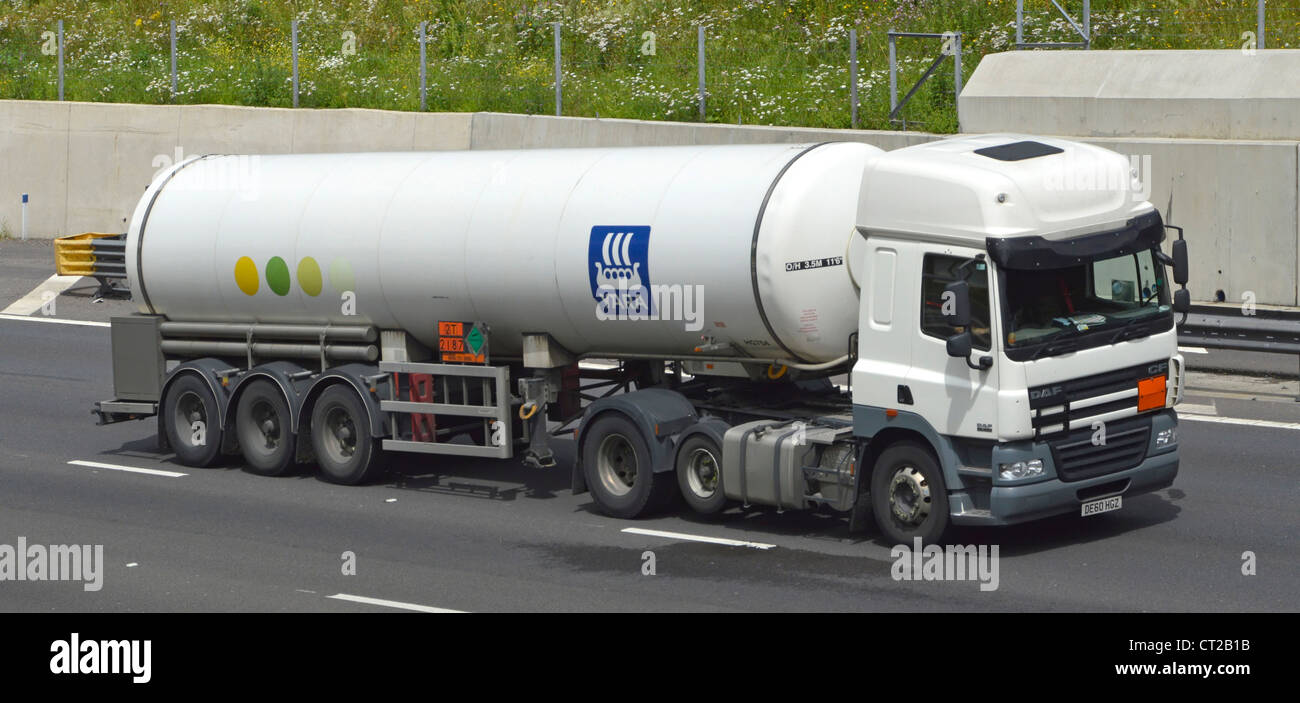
x=1167 y=437
x=1020 y=469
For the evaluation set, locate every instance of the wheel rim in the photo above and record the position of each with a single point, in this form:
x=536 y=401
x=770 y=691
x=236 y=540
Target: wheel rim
x=189 y=410
x=616 y=464
x=266 y=421
x=702 y=473
x=340 y=436
x=909 y=497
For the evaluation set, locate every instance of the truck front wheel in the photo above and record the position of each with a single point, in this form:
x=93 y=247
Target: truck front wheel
x=340 y=436
x=616 y=463
x=908 y=495
x=193 y=424
x=264 y=428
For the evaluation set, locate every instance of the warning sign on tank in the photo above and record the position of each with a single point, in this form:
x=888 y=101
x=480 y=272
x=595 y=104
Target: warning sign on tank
x=462 y=342
x=814 y=263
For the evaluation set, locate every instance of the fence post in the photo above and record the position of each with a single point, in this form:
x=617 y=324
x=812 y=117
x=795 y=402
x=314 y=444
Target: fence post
x=699 y=40
x=1087 y=24
x=1020 y=23
x=956 y=65
x=1260 y=22
x=173 y=43
x=893 y=73
x=24 y=217
x=424 y=99
x=60 y=59
x=293 y=41
x=559 y=73
x=853 y=78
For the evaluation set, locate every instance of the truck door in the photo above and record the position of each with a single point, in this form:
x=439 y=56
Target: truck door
x=955 y=398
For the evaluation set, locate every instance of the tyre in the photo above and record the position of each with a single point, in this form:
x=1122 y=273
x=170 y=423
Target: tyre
x=345 y=450
x=699 y=474
x=908 y=496
x=616 y=463
x=192 y=422
x=265 y=429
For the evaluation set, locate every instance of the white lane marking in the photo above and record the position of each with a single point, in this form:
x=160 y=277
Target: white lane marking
x=41 y=294
x=392 y=604
x=1192 y=409
x=56 y=320
x=698 y=538
x=1194 y=350
x=132 y=469
x=1240 y=421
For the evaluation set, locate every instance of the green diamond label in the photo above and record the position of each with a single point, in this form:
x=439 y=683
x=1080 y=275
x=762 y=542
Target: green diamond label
x=475 y=340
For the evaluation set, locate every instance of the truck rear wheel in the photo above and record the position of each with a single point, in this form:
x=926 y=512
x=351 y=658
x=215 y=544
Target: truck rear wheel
x=908 y=495
x=265 y=430
x=193 y=424
x=699 y=474
x=340 y=436
x=616 y=463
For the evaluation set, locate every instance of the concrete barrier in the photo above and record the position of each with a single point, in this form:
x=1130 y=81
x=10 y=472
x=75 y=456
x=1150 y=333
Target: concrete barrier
x=85 y=165
x=1165 y=94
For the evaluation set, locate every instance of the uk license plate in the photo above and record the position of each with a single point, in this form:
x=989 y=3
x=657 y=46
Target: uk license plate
x=1105 y=505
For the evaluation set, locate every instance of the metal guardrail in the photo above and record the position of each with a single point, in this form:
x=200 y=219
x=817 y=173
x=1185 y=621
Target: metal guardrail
x=1268 y=331
x=96 y=254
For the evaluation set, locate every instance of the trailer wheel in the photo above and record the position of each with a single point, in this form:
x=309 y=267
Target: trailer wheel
x=699 y=474
x=192 y=422
x=341 y=439
x=616 y=462
x=908 y=495
x=265 y=430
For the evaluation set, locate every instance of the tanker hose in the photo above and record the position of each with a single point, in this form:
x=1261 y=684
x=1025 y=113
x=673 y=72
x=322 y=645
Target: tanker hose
x=773 y=374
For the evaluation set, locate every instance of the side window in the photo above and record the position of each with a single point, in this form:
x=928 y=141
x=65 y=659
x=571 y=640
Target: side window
x=937 y=271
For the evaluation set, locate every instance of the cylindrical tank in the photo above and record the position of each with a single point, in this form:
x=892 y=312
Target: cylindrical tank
x=644 y=250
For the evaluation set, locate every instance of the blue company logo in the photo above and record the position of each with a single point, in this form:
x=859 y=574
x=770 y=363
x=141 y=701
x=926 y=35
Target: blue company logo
x=618 y=265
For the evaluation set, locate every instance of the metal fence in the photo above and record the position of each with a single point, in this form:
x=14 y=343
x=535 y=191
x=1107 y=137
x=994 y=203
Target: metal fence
x=841 y=75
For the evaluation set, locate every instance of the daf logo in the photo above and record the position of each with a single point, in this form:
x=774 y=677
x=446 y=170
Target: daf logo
x=1156 y=369
x=1044 y=392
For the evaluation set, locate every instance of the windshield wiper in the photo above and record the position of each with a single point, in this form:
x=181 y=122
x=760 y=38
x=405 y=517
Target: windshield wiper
x=1057 y=343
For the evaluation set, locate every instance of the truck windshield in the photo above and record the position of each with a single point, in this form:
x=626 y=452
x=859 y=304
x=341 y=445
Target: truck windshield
x=1057 y=310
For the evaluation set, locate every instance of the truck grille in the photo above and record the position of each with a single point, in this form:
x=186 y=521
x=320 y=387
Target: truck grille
x=1056 y=409
x=1078 y=458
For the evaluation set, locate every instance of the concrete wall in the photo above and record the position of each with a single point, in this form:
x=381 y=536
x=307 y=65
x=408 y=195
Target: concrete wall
x=85 y=165
x=1169 y=94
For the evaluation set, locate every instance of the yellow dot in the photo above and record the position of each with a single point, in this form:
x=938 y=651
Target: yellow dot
x=246 y=275
x=309 y=276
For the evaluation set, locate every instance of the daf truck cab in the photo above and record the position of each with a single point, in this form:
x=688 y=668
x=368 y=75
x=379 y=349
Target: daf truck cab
x=1016 y=334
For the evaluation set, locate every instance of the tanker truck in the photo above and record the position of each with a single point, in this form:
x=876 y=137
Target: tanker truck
x=973 y=331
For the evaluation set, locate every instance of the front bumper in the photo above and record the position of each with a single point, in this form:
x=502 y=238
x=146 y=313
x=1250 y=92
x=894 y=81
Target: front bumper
x=994 y=504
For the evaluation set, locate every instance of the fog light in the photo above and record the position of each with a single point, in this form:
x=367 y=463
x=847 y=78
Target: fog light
x=1167 y=437
x=1020 y=469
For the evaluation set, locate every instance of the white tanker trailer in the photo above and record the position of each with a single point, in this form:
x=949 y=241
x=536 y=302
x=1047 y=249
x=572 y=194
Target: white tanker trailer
x=998 y=303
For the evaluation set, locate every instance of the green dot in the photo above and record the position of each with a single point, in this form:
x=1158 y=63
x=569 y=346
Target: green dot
x=309 y=276
x=341 y=276
x=277 y=276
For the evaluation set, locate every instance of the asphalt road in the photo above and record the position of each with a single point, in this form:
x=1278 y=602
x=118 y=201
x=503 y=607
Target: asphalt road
x=482 y=535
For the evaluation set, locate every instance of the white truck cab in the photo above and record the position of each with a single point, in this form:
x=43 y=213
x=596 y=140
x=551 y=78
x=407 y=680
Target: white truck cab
x=1017 y=316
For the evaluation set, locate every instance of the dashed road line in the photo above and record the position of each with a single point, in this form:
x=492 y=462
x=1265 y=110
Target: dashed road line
x=392 y=604
x=131 y=469
x=697 y=538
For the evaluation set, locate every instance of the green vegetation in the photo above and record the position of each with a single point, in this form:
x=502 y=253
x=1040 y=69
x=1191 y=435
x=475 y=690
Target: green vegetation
x=768 y=61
